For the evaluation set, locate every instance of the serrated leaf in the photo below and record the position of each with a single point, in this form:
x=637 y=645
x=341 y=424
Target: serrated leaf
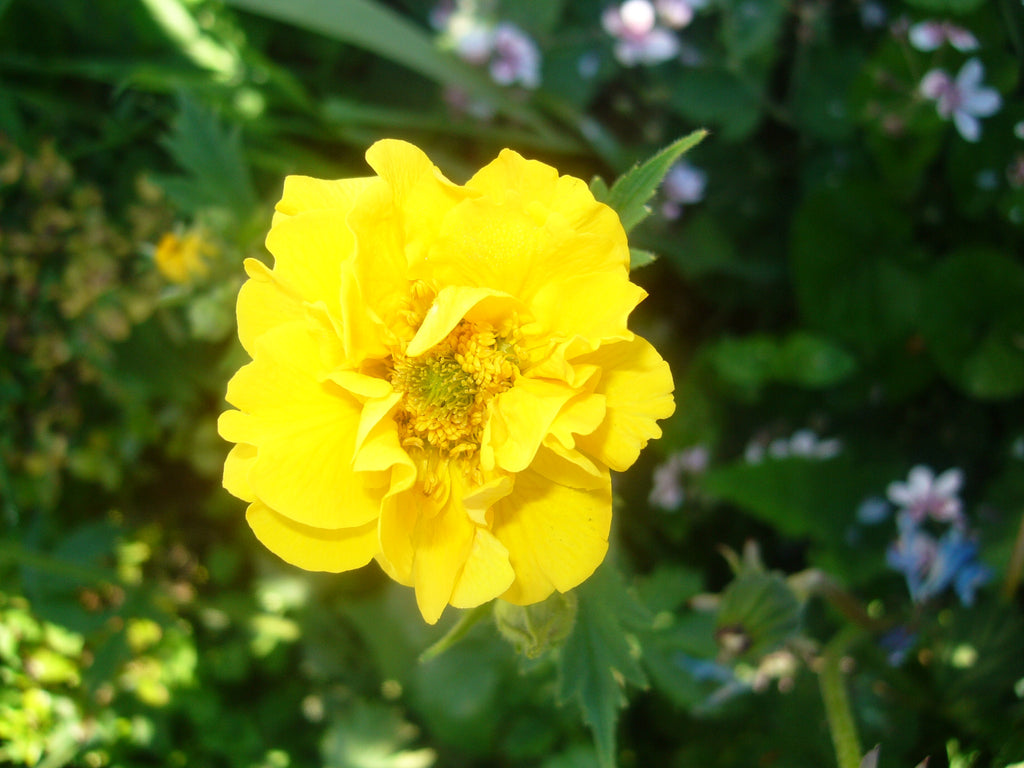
x=631 y=191
x=599 y=188
x=216 y=171
x=597 y=659
x=640 y=258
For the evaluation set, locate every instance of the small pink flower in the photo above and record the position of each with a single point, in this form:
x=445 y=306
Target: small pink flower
x=924 y=495
x=964 y=99
x=930 y=35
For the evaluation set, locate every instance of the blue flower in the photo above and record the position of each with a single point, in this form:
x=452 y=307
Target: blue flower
x=932 y=565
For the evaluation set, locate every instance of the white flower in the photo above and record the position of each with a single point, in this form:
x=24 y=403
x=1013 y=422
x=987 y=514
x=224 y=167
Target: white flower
x=667 y=491
x=803 y=443
x=684 y=184
x=807 y=444
x=963 y=99
x=471 y=39
x=930 y=35
x=925 y=495
x=675 y=13
x=639 y=37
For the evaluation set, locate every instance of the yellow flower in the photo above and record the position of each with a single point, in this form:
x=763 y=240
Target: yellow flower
x=182 y=258
x=441 y=379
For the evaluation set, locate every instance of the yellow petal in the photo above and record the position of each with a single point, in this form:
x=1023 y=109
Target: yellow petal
x=505 y=247
x=453 y=304
x=304 y=432
x=442 y=544
x=239 y=461
x=426 y=541
x=568 y=197
x=378 y=449
x=263 y=304
x=313 y=549
x=521 y=418
x=556 y=536
x=568 y=467
x=380 y=270
x=398 y=516
x=486 y=574
x=481 y=498
x=420 y=192
x=637 y=385
x=304 y=193
x=309 y=250
x=594 y=307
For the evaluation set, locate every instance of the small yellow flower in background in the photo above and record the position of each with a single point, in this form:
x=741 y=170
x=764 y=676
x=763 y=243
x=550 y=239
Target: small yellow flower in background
x=441 y=379
x=181 y=258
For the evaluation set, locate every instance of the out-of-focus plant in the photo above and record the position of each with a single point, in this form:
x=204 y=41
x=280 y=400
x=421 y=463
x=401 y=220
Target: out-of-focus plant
x=835 y=277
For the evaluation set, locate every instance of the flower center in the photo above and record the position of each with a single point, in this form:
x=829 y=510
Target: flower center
x=447 y=390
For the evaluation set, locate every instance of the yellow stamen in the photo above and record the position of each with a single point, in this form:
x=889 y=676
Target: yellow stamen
x=447 y=390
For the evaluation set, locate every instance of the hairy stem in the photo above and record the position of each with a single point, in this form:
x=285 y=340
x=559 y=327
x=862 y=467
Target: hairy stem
x=841 y=724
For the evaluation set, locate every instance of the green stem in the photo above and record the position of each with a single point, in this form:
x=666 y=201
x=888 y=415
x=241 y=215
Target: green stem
x=53 y=565
x=466 y=622
x=1015 y=569
x=841 y=724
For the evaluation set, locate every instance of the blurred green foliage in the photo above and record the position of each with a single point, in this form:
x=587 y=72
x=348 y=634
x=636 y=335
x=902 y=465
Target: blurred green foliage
x=844 y=302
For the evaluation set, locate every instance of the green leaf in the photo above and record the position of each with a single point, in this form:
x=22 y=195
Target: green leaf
x=801 y=497
x=976 y=334
x=631 y=191
x=751 y=27
x=597 y=659
x=217 y=174
x=822 y=79
x=727 y=100
x=802 y=359
x=851 y=258
x=381 y=30
x=947 y=6
x=811 y=361
x=640 y=258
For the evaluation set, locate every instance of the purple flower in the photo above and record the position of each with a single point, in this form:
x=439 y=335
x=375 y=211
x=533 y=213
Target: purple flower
x=925 y=495
x=515 y=57
x=684 y=184
x=930 y=35
x=510 y=55
x=964 y=99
